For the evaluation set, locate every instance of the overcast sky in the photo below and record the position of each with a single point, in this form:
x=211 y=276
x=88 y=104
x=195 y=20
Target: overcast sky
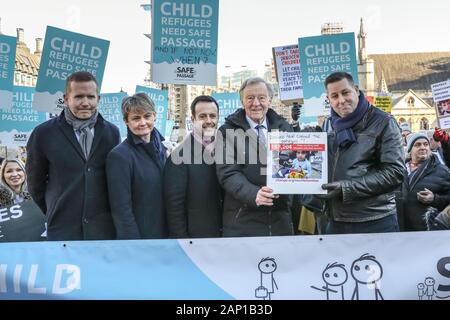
x=248 y=29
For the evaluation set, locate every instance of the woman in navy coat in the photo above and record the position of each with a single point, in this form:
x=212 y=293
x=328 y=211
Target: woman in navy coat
x=134 y=173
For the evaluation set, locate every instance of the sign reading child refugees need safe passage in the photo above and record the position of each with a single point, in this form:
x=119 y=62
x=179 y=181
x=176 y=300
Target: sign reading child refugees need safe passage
x=297 y=162
x=289 y=78
x=441 y=97
x=319 y=57
x=7 y=62
x=110 y=107
x=64 y=53
x=228 y=104
x=19 y=122
x=184 y=41
x=161 y=100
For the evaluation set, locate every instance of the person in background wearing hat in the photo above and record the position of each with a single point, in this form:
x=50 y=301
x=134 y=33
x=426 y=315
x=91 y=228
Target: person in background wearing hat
x=406 y=131
x=435 y=147
x=427 y=184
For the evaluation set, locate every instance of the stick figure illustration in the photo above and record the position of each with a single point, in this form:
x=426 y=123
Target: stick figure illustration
x=429 y=290
x=267 y=286
x=420 y=290
x=334 y=275
x=367 y=270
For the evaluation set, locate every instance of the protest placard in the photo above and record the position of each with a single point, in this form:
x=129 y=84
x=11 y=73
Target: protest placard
x=64 y=53
x=184 y=41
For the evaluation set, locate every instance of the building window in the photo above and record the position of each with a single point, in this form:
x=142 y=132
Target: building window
x=410 y=102
x=424 y=124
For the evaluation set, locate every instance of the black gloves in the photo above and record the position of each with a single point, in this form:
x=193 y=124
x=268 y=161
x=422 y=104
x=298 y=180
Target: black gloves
x=334 y=190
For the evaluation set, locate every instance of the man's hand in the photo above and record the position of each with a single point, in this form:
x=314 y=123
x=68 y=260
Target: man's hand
x=426 y=196
x=265 y=197
x=334 y=190
x=440 y=135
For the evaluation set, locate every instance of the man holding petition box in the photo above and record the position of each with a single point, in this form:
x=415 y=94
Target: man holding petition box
x=365 y=162
x=66 y=165
x=251 y=209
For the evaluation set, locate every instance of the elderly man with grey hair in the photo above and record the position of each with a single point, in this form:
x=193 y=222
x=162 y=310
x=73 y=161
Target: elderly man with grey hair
x=250 y=207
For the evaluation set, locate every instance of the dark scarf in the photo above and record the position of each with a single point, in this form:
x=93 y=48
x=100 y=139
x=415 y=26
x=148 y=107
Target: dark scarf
x=83 y=128
x=343 y=126
x=153 y=148
x=155 y=139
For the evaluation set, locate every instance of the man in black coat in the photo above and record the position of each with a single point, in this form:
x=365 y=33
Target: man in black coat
x=191 y=191
x=251 y=209
x=365 y=162
x=66 y=165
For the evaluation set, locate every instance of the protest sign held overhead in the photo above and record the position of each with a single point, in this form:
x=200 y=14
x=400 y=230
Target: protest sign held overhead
x=7 y=62
x=384 y=103
x=18 y=122
x=161 y=100
x=441 y=97
x=289 y=78
x=228 y=104
x=64 y=53
x=110 y=107
x=321 y=56
x=184 y=41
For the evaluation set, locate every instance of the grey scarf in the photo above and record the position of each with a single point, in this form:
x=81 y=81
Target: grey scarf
x=83 y=128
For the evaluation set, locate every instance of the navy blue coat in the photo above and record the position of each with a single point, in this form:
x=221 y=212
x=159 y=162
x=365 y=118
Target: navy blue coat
x=134 y=173
x=69 y=189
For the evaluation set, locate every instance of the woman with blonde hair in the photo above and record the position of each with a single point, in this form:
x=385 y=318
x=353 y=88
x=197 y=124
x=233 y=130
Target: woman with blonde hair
x=13 y=186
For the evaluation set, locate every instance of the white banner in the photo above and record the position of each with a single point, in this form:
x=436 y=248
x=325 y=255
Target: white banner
x=409 y=265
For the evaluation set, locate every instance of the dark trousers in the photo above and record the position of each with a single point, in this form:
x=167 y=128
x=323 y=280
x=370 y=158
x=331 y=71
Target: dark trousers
x=386 y=224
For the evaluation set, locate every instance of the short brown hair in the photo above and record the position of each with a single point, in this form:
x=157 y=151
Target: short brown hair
x=80 y=76
x=203 y=99
x=137 y=102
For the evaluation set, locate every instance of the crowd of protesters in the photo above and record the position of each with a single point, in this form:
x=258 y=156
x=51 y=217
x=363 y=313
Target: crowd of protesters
x=382 y=176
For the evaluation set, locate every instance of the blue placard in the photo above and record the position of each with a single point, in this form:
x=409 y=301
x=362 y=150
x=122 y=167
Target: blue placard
x=110 y=107
x=228 y=104
x=184 y=41
x=7 y=62
x=64 y=53
x=17 y=123
x=169 y=128
x=319 y=57
x=161 y=100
